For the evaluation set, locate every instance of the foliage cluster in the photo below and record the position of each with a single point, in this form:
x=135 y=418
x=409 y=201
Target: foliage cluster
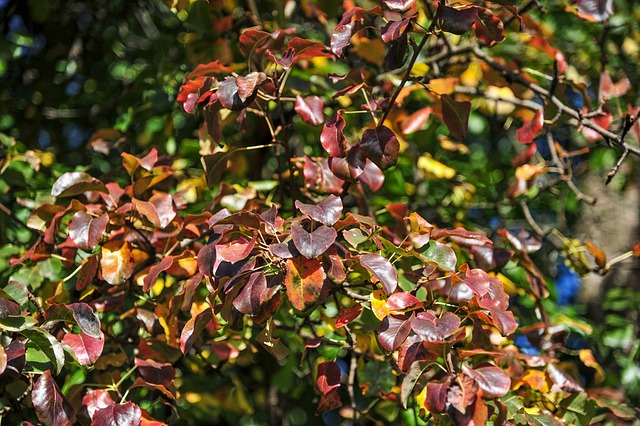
x=359 y=202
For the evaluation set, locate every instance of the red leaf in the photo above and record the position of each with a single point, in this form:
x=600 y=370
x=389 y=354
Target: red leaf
x=131 y=162
x=437 y=393
x=158 y=210
x=328 y=377
x=312 y=245
x=310 y=109
x=318 y=176
x=154 y=271
x=372 y=176
x=118 y=414
x=489 y=28
x=563 y=380
x=75 y=183
x=454 y=20
x=382 y=270
x=394 y=30
x=332 y=136
x=86 y=230
x=401 y=301
x=381 y=146
x=14 y=360
x=96 y=399
x=352 y=21
x=249 y=84
x=86 y=349
x=399 y=5
x=462 y=393
x=255 y=294
x=415 y=121
x=212 y=68
x=327 y=211
x=346 y=315
x=493 y=381
x=229 y=93
x=50 y=405
x=611 y=90
x=504 y=321
x=286 y=60
x=193 y=328
x=491 y=258
x=531 y=129
x=307 y=49
x=603 y=120
x=155 y=372
x=456 y=115
x=330 y=401
x=303 y=280
x=393 y=331
x=433 y=329
x=476 y=279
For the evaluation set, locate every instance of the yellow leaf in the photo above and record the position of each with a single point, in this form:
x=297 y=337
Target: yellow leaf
x=419 y=69
x=421 y=398
x=530 y=171
x=537 y=380
x=379 y=304
x=431 y=166
x=443 y=86
x=586 y=356
x=472 y=75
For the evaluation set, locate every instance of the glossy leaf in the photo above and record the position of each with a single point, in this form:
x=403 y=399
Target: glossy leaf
x=332 y=136
x=86 y=230
x=382 y=270
x=47 y=344
x=312 y=245
x=595 y=10
x=328 y=377
x=456 y=116
x=307 y=49
x=155 y=271
x=158 y=210
x=303 y=280
x=352 y=22
x=456 y=20
x=79 y=313
x=399 y=5
x=96 y=399
x=71 y=184
x=401 y=301
x=50 y=405
x=255 y=293
x=393 y=331
x=85 y=348
x=416 y=120
x=493 y=381
x=118 y=414
x=440 y=255
x=116 y=263
x=327 y=211
x=381 y=146
x=394 y=30
x=433 y=329
x=437 y=394
x=310 y=109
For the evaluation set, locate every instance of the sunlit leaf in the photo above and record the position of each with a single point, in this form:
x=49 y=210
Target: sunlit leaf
x=435 y=329
x=193 y=328
x=50 y=405
x=116 y=263
x=327 y=211
x=303 y=280
x=79 y=313
x=456 y=20
x=328 y=377
x=310 y=109
x=85 y=348
x=393 y=331
x=493 y=381
x=347 y=315
x=75 y=183
x=531 y=129
x=382 y=270
x=332 y=136
x=155 y=372
x=312 y=244
x=118 y=414
x=159 y=210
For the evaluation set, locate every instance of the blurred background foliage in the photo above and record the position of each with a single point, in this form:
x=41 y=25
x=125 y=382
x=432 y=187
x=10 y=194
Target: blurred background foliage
x=81 y=81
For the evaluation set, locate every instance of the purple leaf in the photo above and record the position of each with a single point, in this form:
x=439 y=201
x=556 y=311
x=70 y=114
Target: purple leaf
x=193 y=328
x=79 y=313
x=456 y=116
x=493 y=381
x=310 y=109
x=394 y=30
x=393 y=331
x=382 y=270
x=75 y=183
x=327 y=211
x=489 y=28
x=372 y=176
x=86 y=230
x=50 y=405
x=437 y=393
x=401 y=301
x=118 y=414
x=381 y=146
x=154 y=271
x=332 y=136
x=158 y=210
x=456 y=21
x=248 y=85
x=313 y=244
x=328 y=377
x=255 y=294
x=433 y=329
x=155 y=372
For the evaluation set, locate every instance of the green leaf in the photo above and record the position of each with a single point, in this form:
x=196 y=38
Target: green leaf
x=46 y=343
x=15 y=323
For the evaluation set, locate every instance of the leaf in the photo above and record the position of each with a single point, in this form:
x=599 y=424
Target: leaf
x=433 y=329
x=382 y=270
x=14 y=360
x=409 y=382
x=381 y=146
x=456 y=116
x=488 y=27
x=155 y=372
x=79 y=313
x=14 y=323
x=229 y=93
x=3 y=360
x=154 y=271
x=352 y=21
x=116 y=263
x=491 y=258
x=372 y=176
x=598 y=254
x=504 y=321
x=402 y=301
x=303 y=280
x=476 y=279
x=329 y=402
x=193 y=328
x=437 y=393
x=393 y=331
x=71 y=184
x=310 y=109
x=85 y=348
x=493 y=381
x=50 y=405
x=47 y=344
x=328 y=377
x=215 y=68
x=312 y=245
x=399 y=5
x=327 y=211
x=456 y=20
x=96 y=399
x=86 y=230
x=416 y=120
x=248 y=85
x=88 y=272
x=595 y=10
x=530 y=129
x=397 y=53
x=131 y=162
x=274 y=346
x=443 y=86
x=255 y=294
x=307 y=49
x=332 y=136
x=118 y=414
x=394 y=30
x=158 y=210
x=441 y=255
x=347 y=315
x=611 y=90
x=434 y=168
x=216 y=164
